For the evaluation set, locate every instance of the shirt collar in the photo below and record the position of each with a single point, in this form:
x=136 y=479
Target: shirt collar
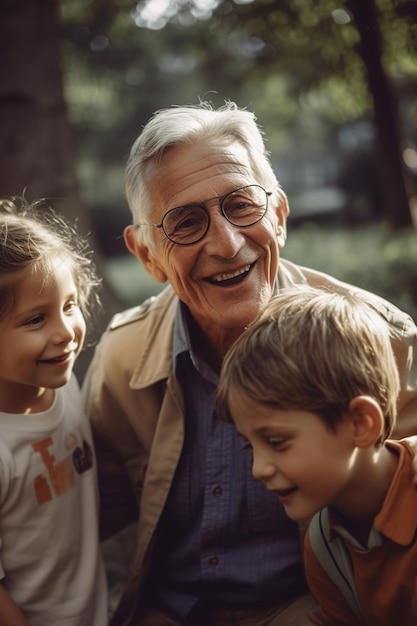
x=183 y=340
x=184 y=343
x=401 y=500
x=397 y=519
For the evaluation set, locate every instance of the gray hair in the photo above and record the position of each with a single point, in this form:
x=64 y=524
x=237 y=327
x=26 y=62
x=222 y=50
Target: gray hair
x=185 y=124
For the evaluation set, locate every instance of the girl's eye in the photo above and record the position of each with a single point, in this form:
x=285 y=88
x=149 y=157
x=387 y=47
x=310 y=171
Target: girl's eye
x=70 y=306
x=34 y=321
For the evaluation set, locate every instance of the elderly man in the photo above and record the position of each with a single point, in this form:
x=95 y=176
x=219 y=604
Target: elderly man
x=214 y=547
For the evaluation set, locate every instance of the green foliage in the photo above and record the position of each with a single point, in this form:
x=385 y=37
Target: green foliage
x=374 y=258
x=230 y=48
x=130 y=281
x=294 y=62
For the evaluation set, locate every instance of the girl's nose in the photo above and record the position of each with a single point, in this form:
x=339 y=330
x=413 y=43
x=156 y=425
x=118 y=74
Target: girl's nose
x=63 y=330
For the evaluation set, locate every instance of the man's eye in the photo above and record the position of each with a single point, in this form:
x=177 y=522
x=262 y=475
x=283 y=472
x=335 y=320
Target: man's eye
x=187 y=220
x=240 y=206
x=187 y=224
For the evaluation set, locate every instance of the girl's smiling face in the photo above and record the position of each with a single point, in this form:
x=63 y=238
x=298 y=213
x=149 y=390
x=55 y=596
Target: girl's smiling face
x=40 y=335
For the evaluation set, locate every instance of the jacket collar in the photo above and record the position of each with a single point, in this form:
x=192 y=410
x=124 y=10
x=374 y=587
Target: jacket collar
x=154 y=353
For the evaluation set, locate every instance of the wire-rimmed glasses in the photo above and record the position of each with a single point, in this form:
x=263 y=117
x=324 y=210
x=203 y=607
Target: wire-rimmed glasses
x=188 y=224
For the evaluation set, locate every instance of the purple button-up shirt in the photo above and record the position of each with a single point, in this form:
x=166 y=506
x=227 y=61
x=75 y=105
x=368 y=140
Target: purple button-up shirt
x=223 y=538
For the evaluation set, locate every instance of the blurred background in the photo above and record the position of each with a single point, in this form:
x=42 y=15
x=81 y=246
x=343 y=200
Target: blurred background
x=333 y=84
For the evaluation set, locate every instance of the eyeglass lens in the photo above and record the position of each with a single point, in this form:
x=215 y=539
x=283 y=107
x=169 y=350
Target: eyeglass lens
x=242 y=207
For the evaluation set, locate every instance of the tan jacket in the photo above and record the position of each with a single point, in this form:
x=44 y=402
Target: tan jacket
x=136 y=408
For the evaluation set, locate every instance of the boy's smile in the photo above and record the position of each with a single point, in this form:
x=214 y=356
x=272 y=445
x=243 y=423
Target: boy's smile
x=295 y=455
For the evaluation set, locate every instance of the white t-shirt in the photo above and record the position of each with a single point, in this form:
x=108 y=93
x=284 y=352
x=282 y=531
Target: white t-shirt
x=50 y=560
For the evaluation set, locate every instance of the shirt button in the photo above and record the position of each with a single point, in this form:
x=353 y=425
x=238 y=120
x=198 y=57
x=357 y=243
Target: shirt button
x=214 y=560
x=217 y=491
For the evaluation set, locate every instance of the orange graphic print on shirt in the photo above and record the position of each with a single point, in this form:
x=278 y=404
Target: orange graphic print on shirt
x=60 y=475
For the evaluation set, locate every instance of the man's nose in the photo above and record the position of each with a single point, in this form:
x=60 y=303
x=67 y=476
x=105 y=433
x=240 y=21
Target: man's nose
x=222 y=237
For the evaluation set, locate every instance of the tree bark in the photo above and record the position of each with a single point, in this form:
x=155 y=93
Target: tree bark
x=37 y=146
x=386 y=115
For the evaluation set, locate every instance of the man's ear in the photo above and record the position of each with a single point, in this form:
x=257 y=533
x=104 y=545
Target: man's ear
x=143 y=254
x=367 y=420
x=280 y=203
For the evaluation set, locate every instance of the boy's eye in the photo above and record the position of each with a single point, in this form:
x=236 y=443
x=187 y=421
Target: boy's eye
x=247 y=448
x=277 y=444
x=244 y=443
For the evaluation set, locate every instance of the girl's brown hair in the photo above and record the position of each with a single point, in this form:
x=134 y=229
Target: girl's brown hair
x=31 y=237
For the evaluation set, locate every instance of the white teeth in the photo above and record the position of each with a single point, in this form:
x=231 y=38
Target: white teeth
x=220 y=277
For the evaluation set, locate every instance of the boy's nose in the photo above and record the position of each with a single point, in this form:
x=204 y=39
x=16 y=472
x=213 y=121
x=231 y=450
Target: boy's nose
x=262 y=469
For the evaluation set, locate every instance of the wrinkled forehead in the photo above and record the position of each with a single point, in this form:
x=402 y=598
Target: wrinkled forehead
x=194 y=172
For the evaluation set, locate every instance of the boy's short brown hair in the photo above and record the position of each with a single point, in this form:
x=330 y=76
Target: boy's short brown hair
x=313 y=350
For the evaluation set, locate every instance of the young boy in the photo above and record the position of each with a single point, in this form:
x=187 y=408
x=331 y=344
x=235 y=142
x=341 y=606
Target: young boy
x=311 y=387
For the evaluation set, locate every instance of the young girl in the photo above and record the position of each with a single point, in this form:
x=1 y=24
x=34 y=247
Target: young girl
x=51 y=571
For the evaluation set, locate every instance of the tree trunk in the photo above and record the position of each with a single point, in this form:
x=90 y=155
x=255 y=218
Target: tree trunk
x=36 y=142
x=37 y=148
x=387 y=119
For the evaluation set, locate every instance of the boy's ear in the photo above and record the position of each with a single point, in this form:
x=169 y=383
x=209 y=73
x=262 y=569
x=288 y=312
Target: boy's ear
x=143 y=254
x=367 y=420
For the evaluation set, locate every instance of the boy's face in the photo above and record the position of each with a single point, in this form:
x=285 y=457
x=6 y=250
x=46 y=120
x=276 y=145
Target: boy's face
x=40 y=337
x=295 y=455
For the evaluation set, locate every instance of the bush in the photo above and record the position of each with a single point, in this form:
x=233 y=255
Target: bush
x=374 y=258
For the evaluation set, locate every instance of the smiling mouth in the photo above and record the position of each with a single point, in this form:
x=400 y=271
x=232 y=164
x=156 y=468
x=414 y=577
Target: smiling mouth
x=230 y=278
x=58 y=359
x=283 y=493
